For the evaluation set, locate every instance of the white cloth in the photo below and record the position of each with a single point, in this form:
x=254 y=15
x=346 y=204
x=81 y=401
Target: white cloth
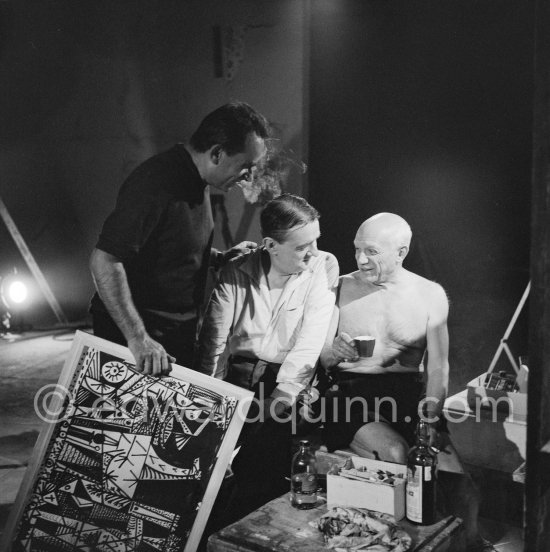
x=291 y=333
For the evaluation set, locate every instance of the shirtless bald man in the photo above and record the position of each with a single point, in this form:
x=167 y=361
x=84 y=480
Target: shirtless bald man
x=375 y=400
x=407 y=314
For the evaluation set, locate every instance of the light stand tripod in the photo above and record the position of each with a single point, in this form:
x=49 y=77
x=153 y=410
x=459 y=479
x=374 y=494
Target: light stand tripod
x=503 y=346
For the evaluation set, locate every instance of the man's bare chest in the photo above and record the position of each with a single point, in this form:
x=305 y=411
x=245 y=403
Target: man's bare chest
x=394 y=318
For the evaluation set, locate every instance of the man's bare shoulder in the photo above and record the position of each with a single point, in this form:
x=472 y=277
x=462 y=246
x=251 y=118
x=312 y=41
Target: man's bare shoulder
x=428 y=289
x=350 y=278
x=349 y=281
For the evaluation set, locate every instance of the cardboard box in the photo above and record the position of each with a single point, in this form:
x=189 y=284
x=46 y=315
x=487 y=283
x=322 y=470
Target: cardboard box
x=328 y=460
x=512 y=403
x=389 y=499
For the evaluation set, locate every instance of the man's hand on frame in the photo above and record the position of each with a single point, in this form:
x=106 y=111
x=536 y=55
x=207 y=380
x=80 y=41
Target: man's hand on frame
x=151 y=357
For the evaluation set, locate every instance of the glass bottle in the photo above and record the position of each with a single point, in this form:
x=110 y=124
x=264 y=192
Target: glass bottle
x=303 y=478
x=421 y=488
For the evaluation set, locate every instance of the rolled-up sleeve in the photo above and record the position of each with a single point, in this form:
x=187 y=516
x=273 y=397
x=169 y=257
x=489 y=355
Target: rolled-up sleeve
x=299 y=365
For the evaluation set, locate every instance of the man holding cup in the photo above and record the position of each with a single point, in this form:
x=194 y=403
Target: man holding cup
x=387 y=352
x=385 y=320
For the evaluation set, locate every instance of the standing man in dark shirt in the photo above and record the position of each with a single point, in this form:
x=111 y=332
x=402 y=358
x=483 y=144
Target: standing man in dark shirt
x=151 y=260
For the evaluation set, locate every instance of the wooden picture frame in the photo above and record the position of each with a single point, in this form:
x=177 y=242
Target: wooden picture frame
x=125 y=461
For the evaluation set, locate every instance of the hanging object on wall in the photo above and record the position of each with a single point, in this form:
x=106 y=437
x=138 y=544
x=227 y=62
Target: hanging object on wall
x=233 y=50
x=229 y=48
x=217 y=51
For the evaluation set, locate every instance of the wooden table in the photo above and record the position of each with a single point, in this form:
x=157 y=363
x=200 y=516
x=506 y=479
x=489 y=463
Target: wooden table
x=278 y=527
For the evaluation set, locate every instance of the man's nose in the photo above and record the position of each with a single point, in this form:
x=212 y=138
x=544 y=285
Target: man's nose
x=313 y=250
x=363 y=259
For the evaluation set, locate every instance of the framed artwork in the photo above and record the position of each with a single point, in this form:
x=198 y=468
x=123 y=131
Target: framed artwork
x=125 y=461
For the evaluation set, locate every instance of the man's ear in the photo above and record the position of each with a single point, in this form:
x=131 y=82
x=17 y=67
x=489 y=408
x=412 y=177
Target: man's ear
x=403 y=250
x=270 y=244
x=215 y=154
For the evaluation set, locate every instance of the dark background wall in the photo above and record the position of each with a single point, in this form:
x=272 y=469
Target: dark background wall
x=90 y=89
x=417 y=107
x=423 y=108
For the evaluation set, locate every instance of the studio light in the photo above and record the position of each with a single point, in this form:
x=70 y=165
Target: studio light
x=14 y=298
x=17 y=292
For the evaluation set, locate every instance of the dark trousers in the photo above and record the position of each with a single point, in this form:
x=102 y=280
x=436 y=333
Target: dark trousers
x=263 y=462
x=178 y=338
x=393 y=397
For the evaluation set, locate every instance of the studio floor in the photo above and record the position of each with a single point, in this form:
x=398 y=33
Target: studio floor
x=30 y=365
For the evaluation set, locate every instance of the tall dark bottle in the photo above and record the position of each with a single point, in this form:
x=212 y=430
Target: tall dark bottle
x=421 y=488
x=303 y=478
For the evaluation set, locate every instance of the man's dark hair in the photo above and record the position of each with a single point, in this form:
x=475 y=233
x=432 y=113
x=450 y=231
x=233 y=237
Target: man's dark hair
x=285 y=213
x=228 y=126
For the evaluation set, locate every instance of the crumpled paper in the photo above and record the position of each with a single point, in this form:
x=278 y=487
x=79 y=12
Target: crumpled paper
x=351 y=529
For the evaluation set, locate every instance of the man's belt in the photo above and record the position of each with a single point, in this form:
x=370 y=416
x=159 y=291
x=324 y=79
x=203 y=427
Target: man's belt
x=247 y=372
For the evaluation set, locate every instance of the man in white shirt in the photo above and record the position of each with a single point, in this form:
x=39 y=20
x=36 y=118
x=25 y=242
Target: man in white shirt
x=272 y=308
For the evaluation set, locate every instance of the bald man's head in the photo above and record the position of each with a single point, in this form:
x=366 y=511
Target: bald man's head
x=386 y=227
x=381 y=244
